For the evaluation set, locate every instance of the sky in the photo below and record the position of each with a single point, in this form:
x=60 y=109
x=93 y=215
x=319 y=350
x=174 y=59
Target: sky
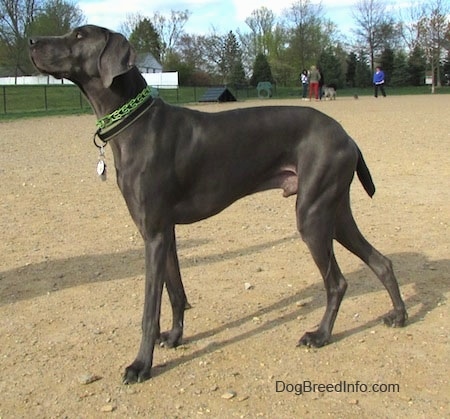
x=222 y=15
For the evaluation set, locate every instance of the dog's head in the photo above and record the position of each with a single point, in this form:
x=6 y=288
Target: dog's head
x=86 y=53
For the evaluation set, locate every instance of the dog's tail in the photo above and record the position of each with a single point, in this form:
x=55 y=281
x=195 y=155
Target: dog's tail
x=364 y=175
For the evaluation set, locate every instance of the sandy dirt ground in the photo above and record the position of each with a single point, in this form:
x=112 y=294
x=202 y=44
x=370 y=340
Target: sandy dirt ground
x=71 y=285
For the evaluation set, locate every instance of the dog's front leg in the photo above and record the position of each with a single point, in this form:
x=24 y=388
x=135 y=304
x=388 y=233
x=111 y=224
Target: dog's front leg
x=157 y=249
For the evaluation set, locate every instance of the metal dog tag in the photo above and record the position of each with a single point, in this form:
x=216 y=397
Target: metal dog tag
x=101 y=165
x=101 y=169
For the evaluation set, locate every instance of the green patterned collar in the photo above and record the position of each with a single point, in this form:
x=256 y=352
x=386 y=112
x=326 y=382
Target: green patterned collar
x=114 y=123
x=127 y=109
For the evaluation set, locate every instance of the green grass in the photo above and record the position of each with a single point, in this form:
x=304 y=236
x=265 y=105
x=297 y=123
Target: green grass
x=286 y=92
x=411 y=90
x=18 y=101
x=29 y=101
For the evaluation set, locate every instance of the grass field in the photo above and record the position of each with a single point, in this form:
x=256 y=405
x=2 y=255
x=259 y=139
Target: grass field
x=26 y=101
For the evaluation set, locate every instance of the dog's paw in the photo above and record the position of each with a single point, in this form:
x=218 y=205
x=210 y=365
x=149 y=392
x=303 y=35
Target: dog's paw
x=170 y=339
x=313 y=339
x=136 y=373
x=396 y=318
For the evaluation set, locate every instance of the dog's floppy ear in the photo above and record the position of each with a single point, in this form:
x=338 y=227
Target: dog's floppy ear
x=117 y=58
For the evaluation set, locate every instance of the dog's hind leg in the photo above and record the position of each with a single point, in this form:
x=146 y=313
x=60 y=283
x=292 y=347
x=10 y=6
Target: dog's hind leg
x=178 y=300
x=348 y=234
x=319 y=243
x=325 y=172
x=316 y=225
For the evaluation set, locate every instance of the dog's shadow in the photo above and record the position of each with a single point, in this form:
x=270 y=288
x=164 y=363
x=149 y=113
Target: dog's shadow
x=430 y=280
x=411 y=268
x=36 y=279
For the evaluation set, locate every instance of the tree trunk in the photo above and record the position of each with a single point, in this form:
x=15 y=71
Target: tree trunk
x=433 y=78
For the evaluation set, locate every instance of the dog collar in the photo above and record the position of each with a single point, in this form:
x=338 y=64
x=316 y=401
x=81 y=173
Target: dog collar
x=110 y=125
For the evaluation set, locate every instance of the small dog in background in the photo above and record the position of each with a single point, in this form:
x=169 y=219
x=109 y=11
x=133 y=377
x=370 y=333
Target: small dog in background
x=329 y=92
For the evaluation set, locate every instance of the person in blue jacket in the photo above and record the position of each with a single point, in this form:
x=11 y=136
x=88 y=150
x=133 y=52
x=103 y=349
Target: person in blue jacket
x=378 y=81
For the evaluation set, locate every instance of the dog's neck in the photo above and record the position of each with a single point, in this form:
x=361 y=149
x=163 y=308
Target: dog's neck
x=123 y=88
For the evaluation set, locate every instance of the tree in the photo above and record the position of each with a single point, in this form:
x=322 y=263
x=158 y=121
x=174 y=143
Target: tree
x=230 y=61
x=20 y=19
x=409 y=27
x=331 y=68
x=446 y=69
x=194 y=59
x=283 y=72
x=131 y=21
x=237 y=76
x=375 y=27
x=15 y=20
x=386 y=61
x=417 y=64
x=433 y=30
x=261 y=23
x=363 y=76
x=185 y=71
x=305 y=29
x=57 y=17
x=144 y=38
x=399 y=72
x=170 y=29
x=350 y=76
x=261 y=70
x=159 y=35
x=268 y=37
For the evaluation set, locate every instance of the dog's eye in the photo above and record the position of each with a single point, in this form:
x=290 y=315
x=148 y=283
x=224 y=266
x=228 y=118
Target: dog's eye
x=79 y=35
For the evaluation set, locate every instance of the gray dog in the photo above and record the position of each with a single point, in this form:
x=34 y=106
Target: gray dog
x=178 y=166
x=329 y=92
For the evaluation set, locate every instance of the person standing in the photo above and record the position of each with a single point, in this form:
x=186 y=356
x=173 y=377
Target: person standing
x=378 y=82
x=321 y=83
x=314 y=78
x=304 y=81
